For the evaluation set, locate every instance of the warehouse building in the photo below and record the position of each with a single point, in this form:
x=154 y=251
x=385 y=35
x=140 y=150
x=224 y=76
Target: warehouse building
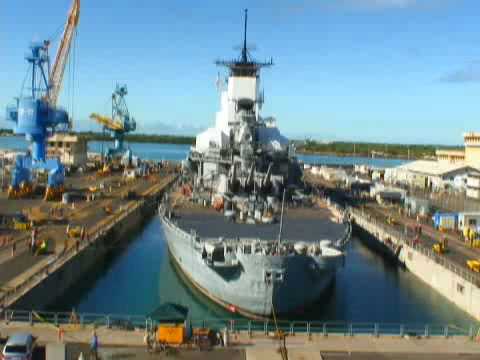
x=430 y=175
x=473 y=185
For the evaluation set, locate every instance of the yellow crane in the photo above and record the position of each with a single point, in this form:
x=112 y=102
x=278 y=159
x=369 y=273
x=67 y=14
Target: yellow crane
x=107 y=122
x=119 y=124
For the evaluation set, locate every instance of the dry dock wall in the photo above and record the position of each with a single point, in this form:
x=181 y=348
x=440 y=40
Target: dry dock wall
x=57 y=282
x=454 y=287
x=457 y=284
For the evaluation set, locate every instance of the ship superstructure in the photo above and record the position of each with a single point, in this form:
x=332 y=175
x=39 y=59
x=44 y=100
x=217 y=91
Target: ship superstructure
x=240 y=226
x=242 y=145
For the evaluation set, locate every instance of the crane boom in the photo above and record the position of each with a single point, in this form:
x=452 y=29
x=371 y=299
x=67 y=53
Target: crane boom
x=107 y=122
x=56 y=75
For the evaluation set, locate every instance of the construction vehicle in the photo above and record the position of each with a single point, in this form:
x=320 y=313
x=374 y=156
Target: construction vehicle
x=441 y=247
x=23 y=190
x=74 y=231
x=43 y=248
x=106 y=170
x=20 y=222
x=119 y=124
x=36 y=115
x=391 y=221
x=474 y=265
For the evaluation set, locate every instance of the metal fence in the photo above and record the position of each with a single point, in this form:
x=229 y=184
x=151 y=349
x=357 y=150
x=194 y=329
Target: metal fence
x=140 y=322
x=401 y=239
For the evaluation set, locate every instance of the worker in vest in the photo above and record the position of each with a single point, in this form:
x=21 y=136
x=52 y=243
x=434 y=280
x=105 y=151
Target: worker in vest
x=466 y=230
x=43 y=247
x=473 y=237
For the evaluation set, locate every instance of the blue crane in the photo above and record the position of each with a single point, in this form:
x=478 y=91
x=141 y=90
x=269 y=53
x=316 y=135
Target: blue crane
x=36 y=115
x=118 y=125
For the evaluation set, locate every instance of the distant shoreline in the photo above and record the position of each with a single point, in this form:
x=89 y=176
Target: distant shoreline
x=136 y=138
x=307 y=147
x=357 y=155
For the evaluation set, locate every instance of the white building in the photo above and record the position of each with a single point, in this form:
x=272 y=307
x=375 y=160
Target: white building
x=473 y=185
x=71 y=149
x=435 y=175
x=468 y=219
x=330 y=173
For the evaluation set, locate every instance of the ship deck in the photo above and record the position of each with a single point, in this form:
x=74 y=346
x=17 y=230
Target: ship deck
x=299 y=224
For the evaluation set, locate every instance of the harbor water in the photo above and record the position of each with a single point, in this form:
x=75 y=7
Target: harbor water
x=138 y=276
x=173 y=152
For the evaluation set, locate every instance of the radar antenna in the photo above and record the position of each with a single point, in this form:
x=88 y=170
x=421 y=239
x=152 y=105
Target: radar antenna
x=245 y=65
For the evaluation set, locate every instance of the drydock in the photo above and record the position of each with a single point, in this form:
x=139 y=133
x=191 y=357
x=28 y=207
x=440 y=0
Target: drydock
x=424 y=253
x=77 y=234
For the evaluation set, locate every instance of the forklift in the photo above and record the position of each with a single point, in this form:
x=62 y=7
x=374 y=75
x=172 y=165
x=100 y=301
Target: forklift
x=474 y=265
x=442 y=246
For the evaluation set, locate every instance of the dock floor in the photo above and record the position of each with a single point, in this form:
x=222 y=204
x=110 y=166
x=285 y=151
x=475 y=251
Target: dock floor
x=15 y=266
x=129 y=344
x=457 y=252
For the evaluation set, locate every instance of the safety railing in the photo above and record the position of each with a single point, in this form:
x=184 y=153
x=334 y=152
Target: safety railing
x=401 y=239
x=265 y=327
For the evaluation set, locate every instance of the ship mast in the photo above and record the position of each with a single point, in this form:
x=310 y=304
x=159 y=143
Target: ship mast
x=244 y=50
x=245 y=65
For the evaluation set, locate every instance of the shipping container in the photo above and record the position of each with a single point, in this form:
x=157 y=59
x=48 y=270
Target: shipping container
x=448 y=221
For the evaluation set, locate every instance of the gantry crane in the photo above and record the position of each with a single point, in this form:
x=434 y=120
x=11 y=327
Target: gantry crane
x=118 y=125
x=36 y=114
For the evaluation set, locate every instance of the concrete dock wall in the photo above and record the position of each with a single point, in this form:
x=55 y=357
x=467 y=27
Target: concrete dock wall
x=59 y=281
x=61 y=276
x=457 y=284
x=454 y=287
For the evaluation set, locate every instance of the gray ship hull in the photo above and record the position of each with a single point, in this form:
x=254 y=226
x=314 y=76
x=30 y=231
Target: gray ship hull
x=260 y=284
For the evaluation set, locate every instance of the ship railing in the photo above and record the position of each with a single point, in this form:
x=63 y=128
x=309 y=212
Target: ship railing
x=172 y=226
x=374 y=226
x=252 y=327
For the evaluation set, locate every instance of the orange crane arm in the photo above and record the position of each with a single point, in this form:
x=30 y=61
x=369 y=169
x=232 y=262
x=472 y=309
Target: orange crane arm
x=107 y=122
x=56 y=75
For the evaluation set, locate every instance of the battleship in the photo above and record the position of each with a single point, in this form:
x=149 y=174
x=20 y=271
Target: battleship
x=240 y=224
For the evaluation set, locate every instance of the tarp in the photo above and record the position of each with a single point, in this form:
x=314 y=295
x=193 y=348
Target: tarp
x=169 y=312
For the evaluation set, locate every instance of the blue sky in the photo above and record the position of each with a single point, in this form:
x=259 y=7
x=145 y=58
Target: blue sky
x=362 y=70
